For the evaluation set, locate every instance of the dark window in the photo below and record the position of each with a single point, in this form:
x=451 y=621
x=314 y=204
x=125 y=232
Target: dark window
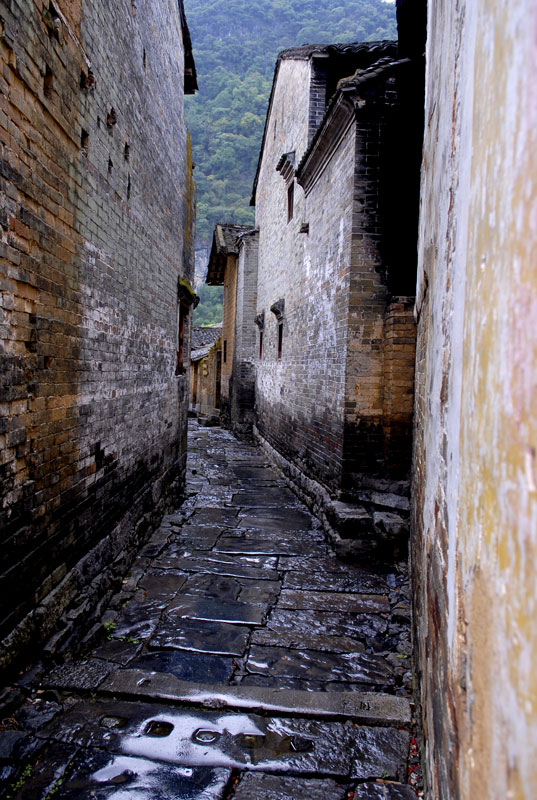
x=111 y=119
x=280 y=339
x=290 y=202
x=225 y=351
x=182 y=311
x=260 y=344
x=48 y=82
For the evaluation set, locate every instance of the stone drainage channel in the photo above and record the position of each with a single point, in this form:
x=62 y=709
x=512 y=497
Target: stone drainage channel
x=241 y=660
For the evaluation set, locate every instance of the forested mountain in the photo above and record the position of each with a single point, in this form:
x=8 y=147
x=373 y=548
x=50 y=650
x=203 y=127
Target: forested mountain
x=235 y=46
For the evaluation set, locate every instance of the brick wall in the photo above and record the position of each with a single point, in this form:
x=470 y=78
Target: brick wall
x=339 y=402
x=228 y=334
x=368 y=297
x=246 y=350
x=97 y=196
x=209 y=386
x=318 y=98
x=300 y=398
x=399 y=362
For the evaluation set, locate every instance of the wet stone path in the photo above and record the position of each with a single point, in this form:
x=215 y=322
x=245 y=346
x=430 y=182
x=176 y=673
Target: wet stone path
x=240 y=660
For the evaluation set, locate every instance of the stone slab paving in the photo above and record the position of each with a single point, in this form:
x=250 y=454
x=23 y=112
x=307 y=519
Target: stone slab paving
x=241 y=659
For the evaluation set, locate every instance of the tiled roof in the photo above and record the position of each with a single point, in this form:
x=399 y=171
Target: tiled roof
x=226 y=237
x=224 y=244
x=204 y=336
x=357 y=84
x=369 y=50
x=355 y=55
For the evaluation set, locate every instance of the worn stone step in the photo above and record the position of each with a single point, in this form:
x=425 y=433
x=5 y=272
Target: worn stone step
x=364 y=708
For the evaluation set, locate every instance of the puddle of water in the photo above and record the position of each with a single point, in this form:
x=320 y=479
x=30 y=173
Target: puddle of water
x=128 y=778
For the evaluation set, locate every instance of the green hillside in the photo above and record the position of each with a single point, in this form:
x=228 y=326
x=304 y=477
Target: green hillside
x=235 y=46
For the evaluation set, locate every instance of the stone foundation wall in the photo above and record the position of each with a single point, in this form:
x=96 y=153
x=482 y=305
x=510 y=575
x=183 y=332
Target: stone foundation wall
x=96 y=228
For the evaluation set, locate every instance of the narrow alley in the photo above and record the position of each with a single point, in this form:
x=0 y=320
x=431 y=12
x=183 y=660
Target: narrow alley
x=240 y=659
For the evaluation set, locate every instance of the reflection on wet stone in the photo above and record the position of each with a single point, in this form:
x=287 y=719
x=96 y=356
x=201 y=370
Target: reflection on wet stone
x=201 y=637
x=119 y=777
x=204 y=608
x=224 y=587
x=313 y=665
x=320 y=601
x=226 y=517
x=384 y=791
x=161 y=588
x=314 y=641
x=277 y=519
x=305 y=623
x=204 y=603
x=243 y=545
x=260 y=567
x=137 y=620
x=278 y=787
x=187 y=666
x=311 y=580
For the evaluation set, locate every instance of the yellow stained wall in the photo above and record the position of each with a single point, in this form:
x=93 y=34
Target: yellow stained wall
x=475 y=473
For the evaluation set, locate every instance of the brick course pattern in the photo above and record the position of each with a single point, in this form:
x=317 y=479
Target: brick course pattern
x=96 y=228
x=338 y=402
x=242 y=382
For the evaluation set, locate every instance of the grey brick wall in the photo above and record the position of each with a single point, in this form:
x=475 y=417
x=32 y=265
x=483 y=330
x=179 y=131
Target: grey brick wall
x=242 y=386
x=97 y=196
x=334 y=404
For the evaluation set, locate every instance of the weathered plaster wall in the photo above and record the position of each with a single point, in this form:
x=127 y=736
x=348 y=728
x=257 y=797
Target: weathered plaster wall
x=475 y=487
x=97 y=202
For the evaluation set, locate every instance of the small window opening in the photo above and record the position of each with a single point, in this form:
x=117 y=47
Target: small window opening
x=126 y=151
x=87 y=80
x=110 y=166
x=225 y=351
x=145 y=60
x=128 y=187
x=48 y=82
x=111 y=119
x=260 y=344
x=84 y=141
x=52 y=21
x=290 y=202
x=98 y=122
x=182 y=312
x=280 y=339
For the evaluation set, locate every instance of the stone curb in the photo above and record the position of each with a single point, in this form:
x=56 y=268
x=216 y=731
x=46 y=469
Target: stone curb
x=365 y=708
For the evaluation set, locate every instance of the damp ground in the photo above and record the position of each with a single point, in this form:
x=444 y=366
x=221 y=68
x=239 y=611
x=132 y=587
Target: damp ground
x=241 y=659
